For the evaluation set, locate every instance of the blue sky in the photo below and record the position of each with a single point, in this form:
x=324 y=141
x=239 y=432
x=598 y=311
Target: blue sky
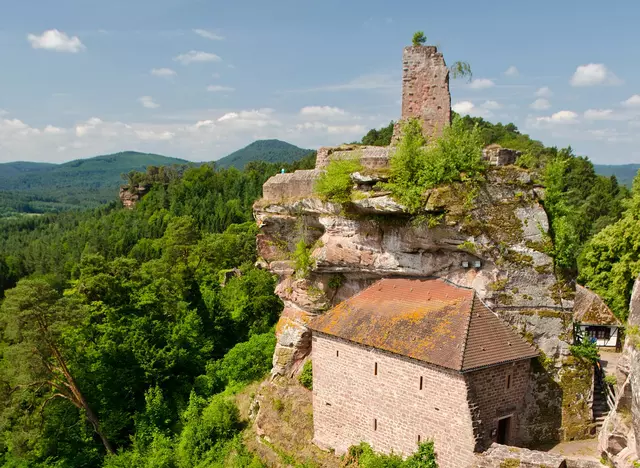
x=198 y=79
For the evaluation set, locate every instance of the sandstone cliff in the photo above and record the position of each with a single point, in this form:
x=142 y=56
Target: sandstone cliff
x=620 y=436
x=491 y=236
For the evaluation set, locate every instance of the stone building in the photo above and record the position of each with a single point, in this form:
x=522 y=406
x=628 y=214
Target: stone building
x=425 y=89
x=407 y=360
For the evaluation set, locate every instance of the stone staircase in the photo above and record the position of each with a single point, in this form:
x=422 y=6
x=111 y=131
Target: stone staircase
x=600 y=405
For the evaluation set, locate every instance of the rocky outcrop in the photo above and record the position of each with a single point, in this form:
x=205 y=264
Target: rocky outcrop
x=620 y=435
x=129 y=195
x=490 y=236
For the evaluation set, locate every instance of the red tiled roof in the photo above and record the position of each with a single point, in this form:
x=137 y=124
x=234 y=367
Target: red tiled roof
x=428 y=320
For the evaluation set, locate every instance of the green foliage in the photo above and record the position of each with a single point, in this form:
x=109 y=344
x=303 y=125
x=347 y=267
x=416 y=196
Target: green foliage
x=611 y=379
x=245 y=362
x=135 y=311
x=585 y=350
x=610 y=261
x=363 y=456
x=461 y=70
x=306 y=376
x=303 y=262
x=380 y=137
x=335 y=183
x=456 y=156
x=419 y=38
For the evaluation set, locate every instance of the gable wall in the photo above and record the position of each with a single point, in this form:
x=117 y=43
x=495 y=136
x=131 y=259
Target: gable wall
x=347 y=397
x=488 y=390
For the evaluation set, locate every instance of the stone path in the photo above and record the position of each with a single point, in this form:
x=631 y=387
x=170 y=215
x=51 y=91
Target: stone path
x=586 y=449
x=609 y=361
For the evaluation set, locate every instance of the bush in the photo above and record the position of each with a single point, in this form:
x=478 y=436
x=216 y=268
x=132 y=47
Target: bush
x=302 y=258
x=205 y=426
x=335 y=183
x=245 y=362
x=363 y=456
x=611 y=380
x=585 y=350
x=456 y=156
x=306 y=376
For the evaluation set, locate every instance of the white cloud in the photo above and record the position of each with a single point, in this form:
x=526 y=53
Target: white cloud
x=344 y=130
x=469 y=108
x=463 y=107
x=633 y=101
x=491 y=105
x=512 y=71
x=481 y=83
x=598 y=114
x=3 y=112
x=151 y=135
x=163 y=72
x=215 y=75
x=148 y=102
x=51 y=130
x=249 y=119
x=194 y=56
x=208 y=34
x=196 y=134
x=540 y=104
x=594 y=74
x=56 y=40
x=544 y=92
x=322 y=112
x=561 y=117
x=219 y=88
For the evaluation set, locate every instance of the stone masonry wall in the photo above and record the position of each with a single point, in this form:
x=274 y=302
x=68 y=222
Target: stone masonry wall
x=388 y=410
x=425 y=89
x=282 y=187
x=489 y=391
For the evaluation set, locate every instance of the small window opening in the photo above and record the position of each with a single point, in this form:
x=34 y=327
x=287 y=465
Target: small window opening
x=420 y=386
x=337 y=353
x=375 y=424
x=418 y=438
x=375 y=369
x=508 y=381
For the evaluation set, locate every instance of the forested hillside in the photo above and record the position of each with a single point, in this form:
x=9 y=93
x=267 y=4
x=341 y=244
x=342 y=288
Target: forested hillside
x=84 y=183
x=140 y=336
x=273 y=151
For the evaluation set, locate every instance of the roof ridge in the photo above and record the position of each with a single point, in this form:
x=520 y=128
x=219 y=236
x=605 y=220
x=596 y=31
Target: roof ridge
x=466 y=331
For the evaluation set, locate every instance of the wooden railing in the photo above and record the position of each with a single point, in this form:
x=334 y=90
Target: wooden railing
x=609 y=389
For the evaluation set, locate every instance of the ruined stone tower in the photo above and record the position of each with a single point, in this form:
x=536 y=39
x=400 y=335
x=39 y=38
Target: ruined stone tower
x=425 y=89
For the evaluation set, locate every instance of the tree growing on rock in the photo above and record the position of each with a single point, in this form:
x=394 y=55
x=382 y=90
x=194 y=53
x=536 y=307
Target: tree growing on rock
x=419 y=38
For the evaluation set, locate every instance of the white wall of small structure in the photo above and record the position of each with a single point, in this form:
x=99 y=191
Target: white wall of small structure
x=613 y=335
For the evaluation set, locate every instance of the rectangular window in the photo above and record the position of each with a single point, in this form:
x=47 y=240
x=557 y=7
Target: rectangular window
x=375 y=424
x=375 y=369
x=420 y=386
x=337 y=353
x=418 y=438
x=508 y=381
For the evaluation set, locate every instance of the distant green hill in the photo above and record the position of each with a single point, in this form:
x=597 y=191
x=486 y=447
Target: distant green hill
x=263 y=150
x=27 y=187
x=624 y=172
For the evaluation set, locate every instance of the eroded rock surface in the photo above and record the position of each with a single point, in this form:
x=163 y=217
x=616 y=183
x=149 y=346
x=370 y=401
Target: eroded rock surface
x=620 y=436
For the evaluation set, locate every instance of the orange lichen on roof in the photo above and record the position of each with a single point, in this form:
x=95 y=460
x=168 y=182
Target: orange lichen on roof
x=590 y=309
x=428 y=320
